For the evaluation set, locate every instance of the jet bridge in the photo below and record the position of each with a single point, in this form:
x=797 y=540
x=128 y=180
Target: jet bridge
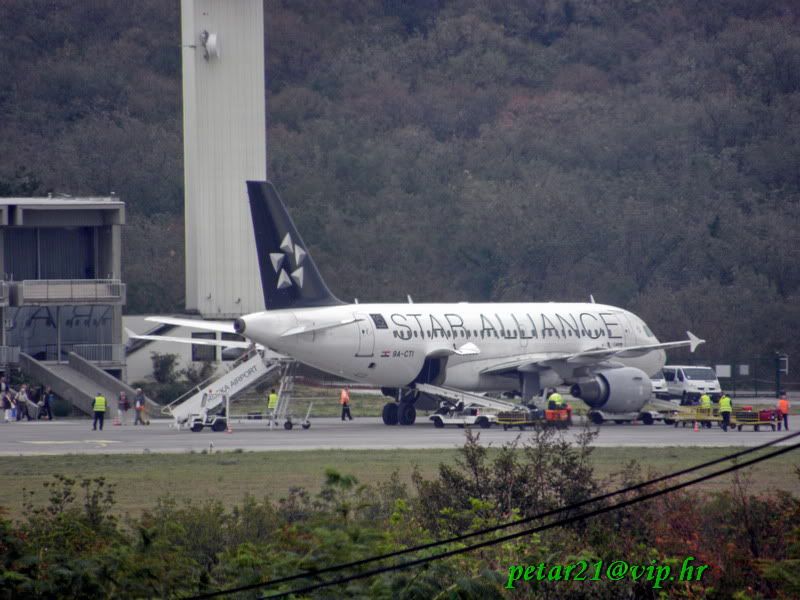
x=457 y=396
x=206 y=397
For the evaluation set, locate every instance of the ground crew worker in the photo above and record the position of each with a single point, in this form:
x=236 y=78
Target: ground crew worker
x=725 y=409
x=705 y=406
x=783 y=412
x=272 y=402
x=99 y=408
x=555 y=401
x=272 y=407
x=344 y=400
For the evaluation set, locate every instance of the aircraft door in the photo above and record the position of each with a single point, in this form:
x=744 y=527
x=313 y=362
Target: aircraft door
x=628 y=330
x=521 y=335
x=366 y=335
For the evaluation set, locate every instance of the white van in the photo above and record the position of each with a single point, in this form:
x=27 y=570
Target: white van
x=689 y=383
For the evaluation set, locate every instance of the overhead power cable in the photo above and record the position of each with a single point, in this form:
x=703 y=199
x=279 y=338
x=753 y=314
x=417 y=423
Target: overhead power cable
x=461 y=537
x=551 y=525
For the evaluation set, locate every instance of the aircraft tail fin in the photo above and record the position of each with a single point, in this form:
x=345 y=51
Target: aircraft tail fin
x=289 y=277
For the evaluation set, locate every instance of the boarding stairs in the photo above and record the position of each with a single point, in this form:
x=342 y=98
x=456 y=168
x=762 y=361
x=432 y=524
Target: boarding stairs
x=207 y=396
x=78 y=382
x=285 y=391
x=458 y=396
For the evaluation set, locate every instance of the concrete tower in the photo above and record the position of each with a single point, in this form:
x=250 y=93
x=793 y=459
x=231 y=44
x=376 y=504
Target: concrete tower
x=224 y=142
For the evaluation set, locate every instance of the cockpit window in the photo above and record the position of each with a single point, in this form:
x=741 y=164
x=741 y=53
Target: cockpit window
x=380 y=322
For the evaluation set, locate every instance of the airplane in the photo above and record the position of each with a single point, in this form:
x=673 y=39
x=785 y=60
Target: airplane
x=603 y=352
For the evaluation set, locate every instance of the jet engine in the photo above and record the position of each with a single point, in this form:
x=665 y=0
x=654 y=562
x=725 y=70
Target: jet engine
x=615 y=390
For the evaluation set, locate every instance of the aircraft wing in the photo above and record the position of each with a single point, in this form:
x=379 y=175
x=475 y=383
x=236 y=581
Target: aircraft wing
x=590 y=356
x=221 y=326
x=586 y=357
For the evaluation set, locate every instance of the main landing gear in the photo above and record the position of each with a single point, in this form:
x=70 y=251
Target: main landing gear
x=402 y=412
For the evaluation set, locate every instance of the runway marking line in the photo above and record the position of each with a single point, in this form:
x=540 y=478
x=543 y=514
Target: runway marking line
x=44 y=442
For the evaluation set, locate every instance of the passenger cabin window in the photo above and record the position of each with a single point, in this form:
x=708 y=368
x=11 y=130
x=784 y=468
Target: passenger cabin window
x=380 y=322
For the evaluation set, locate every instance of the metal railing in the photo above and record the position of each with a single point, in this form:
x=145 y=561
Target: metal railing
x=71 y=290
x=9 y=355
x=167 y=408
x=100 y=353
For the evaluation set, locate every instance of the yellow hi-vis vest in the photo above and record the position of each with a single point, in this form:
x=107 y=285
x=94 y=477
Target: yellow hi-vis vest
x=725 y=404
x=272 y=404
x=705 y=401
x=100 y=404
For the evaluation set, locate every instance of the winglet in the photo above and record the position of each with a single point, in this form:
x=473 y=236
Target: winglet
x=695 y=341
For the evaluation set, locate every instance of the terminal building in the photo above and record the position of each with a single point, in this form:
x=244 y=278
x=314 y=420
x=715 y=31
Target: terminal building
x=61 y=297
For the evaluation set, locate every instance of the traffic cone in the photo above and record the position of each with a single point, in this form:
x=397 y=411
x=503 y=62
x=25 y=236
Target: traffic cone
x=696 y=428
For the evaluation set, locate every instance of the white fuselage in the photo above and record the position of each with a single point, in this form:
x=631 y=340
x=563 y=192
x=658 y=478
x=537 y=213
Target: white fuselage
x=388 y=344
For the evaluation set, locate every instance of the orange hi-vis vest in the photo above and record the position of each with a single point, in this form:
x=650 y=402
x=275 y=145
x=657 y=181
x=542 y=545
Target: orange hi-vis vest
x=783 y=406
x=344 y=397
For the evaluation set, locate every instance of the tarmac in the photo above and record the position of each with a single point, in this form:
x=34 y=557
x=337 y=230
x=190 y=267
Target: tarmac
x=75 y=436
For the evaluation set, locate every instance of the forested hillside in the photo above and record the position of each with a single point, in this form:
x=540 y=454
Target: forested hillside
x=646 y=152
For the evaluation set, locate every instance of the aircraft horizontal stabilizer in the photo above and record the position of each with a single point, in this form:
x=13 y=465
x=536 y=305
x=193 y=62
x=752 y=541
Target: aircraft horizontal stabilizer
x=224 y=327
x=266 y=352
x=193 y=341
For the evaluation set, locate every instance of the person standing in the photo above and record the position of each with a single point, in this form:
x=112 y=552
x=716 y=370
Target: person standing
x=783 y=412
x=705 y=409
x=555 y=401
x=5 y=403
x=47 y=403
x=99 y=408
x=272 y=402
x=138 y=407
x=725 y=410
x=344 y=400
x=124 y=405
x=24 y=403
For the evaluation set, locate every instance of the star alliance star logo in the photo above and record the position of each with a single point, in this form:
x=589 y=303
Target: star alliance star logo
x=292 y=253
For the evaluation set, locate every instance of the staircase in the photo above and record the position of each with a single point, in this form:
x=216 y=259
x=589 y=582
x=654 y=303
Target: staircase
x=251 y=368
x=78 y=382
